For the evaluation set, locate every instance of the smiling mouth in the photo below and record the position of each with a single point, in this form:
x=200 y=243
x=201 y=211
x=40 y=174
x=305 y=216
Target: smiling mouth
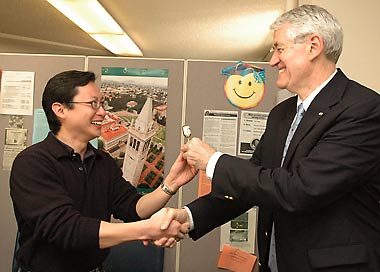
x=244 y=97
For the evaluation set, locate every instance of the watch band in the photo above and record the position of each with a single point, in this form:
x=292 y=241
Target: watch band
x=167 y=190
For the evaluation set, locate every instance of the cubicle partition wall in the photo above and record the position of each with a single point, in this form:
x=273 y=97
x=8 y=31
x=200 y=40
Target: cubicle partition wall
x=44 y=66
x=205 y=91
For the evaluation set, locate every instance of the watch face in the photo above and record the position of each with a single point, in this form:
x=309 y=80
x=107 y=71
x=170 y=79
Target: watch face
x=167 y=190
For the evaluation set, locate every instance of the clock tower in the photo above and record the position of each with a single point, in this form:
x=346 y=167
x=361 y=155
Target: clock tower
x=141 y=132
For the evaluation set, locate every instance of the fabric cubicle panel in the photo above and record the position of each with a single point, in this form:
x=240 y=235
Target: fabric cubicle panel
x=44 y=66
x=205 y=90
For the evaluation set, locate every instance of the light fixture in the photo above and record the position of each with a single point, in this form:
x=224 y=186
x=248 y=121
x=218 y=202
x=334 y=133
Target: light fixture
x=92 y=18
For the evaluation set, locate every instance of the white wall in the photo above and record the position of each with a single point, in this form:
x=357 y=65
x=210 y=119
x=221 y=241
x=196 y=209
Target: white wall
x=361 y=26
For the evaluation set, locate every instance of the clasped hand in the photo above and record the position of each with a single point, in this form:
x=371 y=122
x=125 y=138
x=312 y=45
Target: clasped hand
x=174 y=225
x=197 y=153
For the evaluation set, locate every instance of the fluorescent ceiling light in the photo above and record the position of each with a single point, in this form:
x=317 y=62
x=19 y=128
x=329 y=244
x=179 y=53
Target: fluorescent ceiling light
x=118 y=44
x=91 y=17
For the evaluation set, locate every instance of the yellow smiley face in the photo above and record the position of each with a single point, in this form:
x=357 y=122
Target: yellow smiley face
x=244 y=91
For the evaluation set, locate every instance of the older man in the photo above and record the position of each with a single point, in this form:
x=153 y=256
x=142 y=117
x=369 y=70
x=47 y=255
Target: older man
x=315 y=174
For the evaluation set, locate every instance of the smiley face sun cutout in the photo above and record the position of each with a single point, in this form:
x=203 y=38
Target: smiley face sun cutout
x=244 y=91
x=245 y=84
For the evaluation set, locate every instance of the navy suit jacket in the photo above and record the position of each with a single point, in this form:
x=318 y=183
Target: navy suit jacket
x=324 y=200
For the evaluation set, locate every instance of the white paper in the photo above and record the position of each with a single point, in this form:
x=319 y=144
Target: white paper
x=252 y=127
x=241 y=231
x=16 y=93
x=220 y=130
x=15 y=142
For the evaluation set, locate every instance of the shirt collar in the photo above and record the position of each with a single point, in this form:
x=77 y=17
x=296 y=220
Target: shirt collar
x=310 y=98
x=89 y=150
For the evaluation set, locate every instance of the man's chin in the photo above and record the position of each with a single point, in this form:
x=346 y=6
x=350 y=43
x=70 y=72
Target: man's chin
x=94 y=136
x=281 y=86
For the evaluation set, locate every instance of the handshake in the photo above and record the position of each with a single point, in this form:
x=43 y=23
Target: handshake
x=170 y=225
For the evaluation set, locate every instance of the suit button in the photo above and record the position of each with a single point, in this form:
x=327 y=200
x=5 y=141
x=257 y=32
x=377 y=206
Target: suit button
x=266 y=233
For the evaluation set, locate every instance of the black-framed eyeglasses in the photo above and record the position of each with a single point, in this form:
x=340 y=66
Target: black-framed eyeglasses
x=95 y=104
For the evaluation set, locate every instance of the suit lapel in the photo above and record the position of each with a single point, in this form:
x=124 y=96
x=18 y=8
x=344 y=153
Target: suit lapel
x=330 y=95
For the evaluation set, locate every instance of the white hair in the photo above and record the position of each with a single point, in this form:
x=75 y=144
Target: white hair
x=311 y=19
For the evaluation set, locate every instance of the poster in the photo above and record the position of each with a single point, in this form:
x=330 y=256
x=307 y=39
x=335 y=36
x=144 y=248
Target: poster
x=241 y=231
x=134 y=129
x=14 y=140
x=220 y=130
x=252 y=127
x=16 y=92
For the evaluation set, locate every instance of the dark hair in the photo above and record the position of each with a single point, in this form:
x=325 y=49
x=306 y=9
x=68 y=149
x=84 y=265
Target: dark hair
x=62 y=88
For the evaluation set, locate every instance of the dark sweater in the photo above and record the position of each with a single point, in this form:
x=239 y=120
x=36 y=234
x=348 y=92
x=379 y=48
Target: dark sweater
x=59 y=202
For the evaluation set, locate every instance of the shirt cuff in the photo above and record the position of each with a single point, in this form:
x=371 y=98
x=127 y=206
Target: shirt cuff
x=191 y=221
x=212 y=163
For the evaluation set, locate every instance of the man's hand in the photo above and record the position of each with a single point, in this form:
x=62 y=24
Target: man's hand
x=171 y=226
x=168 y=220
x=180 y=173
x=179 y=215
x=197 y=153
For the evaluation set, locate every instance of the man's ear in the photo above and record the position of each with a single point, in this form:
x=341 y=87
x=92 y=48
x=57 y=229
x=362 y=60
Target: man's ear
x=58 y=109
x=316 y=46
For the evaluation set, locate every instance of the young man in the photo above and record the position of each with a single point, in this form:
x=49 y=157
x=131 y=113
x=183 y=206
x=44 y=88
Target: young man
x=318 y=192
x=64 y=191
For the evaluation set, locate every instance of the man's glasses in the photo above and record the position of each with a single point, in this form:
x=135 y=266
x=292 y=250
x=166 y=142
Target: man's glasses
x=95 y=104
x=280 y=48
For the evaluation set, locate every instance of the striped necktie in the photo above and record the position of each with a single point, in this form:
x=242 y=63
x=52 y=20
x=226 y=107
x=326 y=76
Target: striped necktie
x=292 y=130
x=272 y=262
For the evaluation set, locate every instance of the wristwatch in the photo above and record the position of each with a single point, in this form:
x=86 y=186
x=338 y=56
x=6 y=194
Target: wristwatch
x=167 y=190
